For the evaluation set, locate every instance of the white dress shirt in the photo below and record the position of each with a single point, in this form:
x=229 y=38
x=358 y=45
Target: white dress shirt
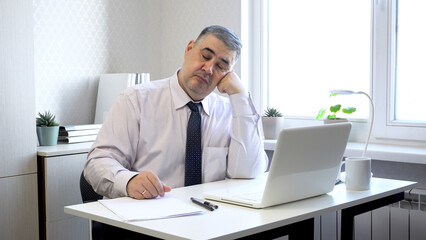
x=146 y=130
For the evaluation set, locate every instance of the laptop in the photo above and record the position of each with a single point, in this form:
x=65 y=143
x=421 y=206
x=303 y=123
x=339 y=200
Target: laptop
x=305 y=164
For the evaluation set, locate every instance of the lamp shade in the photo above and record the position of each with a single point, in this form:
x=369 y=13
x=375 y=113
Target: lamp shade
x=342 y=92
x=349 y=92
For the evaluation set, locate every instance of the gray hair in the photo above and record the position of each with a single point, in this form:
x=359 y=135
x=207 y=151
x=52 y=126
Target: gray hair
x=224 y=34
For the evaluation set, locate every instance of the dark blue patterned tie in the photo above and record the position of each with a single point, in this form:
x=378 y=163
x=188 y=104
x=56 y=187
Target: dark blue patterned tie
x=193 y=147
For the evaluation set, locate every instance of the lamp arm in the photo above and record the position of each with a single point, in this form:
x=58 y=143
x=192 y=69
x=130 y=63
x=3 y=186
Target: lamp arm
x=371 y=122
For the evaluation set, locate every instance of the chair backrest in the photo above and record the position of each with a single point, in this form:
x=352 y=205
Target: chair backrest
x=87 y=192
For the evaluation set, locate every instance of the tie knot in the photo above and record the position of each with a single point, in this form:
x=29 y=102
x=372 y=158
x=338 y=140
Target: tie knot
x=193 y=106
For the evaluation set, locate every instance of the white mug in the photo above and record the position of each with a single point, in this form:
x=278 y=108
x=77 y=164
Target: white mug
x=357 y=173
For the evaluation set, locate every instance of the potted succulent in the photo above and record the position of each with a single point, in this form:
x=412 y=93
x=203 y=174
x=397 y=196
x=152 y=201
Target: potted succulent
x=47 y=129
x=273 y=122
x=332 y=117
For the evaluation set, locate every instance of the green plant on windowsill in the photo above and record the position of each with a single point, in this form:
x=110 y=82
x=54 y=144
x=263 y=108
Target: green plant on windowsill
x=273 y=122
x=272 y=112
x=333 y=111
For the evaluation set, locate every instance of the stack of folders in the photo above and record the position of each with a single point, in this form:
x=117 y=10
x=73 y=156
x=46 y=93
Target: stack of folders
x=78 y=133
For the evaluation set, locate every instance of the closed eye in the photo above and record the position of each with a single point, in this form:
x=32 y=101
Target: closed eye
x=206 y=56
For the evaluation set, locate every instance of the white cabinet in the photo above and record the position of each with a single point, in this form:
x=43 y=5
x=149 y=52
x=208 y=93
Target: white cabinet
x=59 y=169
x=18 y=177
x=18 y=207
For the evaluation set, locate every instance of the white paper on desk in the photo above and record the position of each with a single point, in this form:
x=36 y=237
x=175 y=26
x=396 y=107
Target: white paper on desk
x=130 y=209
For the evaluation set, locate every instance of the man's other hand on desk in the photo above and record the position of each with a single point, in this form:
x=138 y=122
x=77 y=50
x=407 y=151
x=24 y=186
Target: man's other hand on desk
x=146 y=185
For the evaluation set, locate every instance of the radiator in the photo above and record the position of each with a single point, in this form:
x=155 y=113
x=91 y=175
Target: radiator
x=404 y=220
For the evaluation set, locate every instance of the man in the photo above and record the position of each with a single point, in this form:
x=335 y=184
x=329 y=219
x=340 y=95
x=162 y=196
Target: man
x=141 y=148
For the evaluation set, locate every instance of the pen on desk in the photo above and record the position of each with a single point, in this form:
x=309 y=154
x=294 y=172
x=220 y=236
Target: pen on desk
x=204 y=204
x=211 y=204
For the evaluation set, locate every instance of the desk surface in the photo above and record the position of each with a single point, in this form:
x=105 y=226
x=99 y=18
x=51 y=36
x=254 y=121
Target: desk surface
x=230 y=221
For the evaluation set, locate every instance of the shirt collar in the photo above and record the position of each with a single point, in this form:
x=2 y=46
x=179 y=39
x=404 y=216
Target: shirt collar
x=180 y=98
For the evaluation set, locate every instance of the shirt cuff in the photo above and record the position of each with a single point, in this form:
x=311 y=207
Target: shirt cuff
x=241 y=104
x=121 y=180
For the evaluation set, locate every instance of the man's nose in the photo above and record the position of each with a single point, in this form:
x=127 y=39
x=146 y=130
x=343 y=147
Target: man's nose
x=208 y=67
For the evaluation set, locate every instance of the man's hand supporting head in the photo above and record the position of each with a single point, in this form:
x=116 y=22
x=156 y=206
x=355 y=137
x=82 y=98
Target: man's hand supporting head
x=230 y=84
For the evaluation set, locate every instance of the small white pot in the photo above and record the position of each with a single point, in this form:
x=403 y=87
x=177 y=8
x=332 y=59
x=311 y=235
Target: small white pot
x=331 y=121
x=272 y=126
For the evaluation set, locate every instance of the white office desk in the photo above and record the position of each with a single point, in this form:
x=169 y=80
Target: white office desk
x=230 y=221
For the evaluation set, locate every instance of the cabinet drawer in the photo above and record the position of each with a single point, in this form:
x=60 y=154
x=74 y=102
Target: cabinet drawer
x=62 y=184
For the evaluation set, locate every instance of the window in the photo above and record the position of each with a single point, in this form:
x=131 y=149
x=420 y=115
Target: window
x=410 y=61
x=302 y=49
x=395 y=55
x=314 y=47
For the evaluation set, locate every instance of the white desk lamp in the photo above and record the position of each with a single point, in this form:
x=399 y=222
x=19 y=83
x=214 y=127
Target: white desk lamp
x=348 y=92
x=358 y=170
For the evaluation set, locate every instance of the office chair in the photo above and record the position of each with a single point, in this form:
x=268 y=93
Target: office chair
x=89 y=195
x=87 y=192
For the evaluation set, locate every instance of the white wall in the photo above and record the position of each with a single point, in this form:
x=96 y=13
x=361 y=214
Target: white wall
x=182 y=21
x=76 y=41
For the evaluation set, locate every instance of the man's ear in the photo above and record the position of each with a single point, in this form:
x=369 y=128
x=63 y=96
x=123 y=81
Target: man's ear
x=189 y=47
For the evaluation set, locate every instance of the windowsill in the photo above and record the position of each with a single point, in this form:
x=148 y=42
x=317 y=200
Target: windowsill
x=382 y=152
